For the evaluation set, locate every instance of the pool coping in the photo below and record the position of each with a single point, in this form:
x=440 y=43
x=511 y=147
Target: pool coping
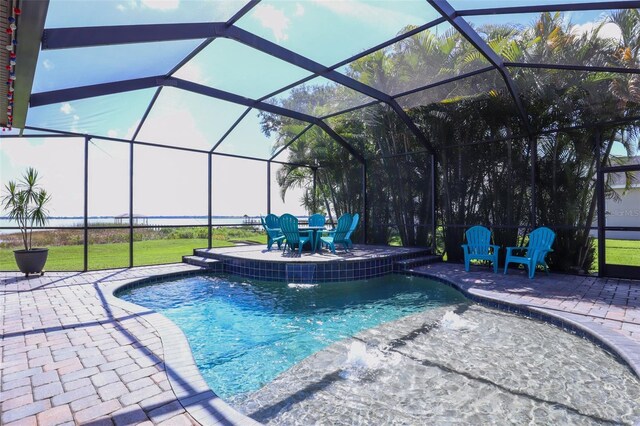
x=186 y=382
x=201 y=402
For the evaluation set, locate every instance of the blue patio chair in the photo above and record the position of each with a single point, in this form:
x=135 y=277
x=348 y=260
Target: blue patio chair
x=317 y=220
x=273 y=232
x=540 y=242
x=338 y=236
x=479 y=247
x=354 y=225
x=292 y=236
x=272 y=221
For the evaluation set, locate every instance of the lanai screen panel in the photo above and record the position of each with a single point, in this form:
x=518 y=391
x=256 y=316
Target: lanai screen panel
x=331 y=31
x=63 y=179
x=108 y=180
x=233 y=67
x=64 y=68
x=399 y=194
x=319 y=97
x=469 y=110
x=590 y=38
x=115 y=116
x=190 y=120
x=555 y=99
x=291 y=190
x=239 y=187
x=71 y=13
x=108 y=204
x=291 y=151
x=487 y=184
x=170 y=185
x=566 y=193
x=433 y=55
x=260 y=135
x=292 y=184
x=375 y=130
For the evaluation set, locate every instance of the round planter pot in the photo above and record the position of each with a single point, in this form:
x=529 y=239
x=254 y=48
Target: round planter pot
x=31 y=261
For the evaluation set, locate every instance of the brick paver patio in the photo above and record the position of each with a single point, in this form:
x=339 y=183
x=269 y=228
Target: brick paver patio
x=73 y=354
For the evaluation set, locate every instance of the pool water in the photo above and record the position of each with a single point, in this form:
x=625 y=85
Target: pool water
x=478 y=366
x=244 y=334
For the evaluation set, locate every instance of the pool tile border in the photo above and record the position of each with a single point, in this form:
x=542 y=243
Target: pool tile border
x=311 y=272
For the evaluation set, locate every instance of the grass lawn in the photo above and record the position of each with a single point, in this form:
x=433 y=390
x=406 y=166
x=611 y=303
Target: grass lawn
x=620 y=252
x=151 y=252
x=115 y=255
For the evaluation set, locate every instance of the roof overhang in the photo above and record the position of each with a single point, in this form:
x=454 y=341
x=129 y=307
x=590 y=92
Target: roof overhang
x=30 y=27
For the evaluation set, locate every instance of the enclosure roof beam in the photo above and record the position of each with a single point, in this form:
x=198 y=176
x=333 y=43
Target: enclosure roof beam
x=361 y=55
x=245 y=9
x=65 y=95
x=61 y=133
x=102 y=89
x=64 y=38
x=463 y=27
x=76 y=37
x=251 y=40
x=589 y=68
x=570 y=7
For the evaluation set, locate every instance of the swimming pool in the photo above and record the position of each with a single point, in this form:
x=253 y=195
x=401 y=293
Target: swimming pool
x=245 y=333
x=396 y=349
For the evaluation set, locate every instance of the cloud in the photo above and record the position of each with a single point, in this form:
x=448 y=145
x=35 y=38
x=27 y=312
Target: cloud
x=191 y=72
x=299 y=10
x=112 y=133
x=369 y=13
x=127 y=5
x=66 y=108
x=608 y=30
x=273 y=19
x=47 y=64
x=161 y=4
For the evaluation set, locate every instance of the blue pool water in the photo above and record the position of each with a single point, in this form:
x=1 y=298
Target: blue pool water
x=245 y=333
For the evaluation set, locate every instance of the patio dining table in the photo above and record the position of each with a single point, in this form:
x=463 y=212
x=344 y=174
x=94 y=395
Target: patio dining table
x=316 y=231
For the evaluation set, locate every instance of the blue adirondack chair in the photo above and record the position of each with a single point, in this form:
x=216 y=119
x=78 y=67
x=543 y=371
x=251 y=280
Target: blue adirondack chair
x=272 y=229
x=317 y=220
x=292 y=236
x=540 y=242
x=354 y=225
x=479 y=247
x=338 y=236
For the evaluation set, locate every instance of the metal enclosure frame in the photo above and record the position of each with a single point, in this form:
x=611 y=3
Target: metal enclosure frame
x=66 y=38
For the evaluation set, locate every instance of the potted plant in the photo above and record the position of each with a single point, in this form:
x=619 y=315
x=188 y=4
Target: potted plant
x=25 y=204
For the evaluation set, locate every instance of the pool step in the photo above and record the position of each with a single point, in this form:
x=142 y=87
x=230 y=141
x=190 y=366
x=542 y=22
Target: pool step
x=414 y=262
x=204 y=262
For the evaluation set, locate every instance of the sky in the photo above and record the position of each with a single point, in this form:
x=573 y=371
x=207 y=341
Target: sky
x=327 y=31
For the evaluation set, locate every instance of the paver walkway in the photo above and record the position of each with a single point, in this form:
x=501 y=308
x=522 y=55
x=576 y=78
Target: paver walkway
x=73 y=354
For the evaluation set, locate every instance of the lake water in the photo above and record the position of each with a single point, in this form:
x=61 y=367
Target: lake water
x=152 y=220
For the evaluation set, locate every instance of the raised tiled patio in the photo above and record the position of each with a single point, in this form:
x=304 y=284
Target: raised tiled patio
x=72 y=353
